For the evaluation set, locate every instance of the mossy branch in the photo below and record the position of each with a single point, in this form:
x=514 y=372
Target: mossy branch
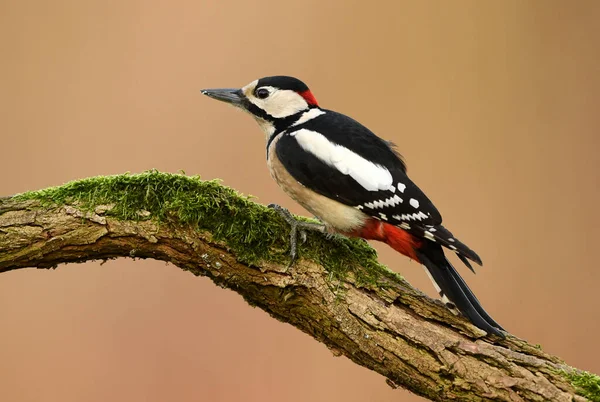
x=338 y=293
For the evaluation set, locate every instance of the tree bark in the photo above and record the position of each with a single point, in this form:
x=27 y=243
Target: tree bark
x=391 y=328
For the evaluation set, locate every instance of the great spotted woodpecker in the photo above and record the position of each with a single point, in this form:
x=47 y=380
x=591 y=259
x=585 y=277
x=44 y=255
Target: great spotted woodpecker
x=354 y=182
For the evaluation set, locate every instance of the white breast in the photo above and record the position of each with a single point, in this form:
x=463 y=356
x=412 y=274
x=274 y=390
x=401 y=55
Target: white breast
x=338 y=216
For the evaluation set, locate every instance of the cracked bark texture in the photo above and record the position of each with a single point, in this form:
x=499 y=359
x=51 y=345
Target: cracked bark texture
x=412 y=340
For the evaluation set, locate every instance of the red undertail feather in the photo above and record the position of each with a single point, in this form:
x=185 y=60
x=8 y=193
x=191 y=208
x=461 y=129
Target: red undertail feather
x=309 y=97
x=398 y=239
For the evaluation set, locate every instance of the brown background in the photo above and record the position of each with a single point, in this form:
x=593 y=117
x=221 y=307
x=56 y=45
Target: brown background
x=494 y=104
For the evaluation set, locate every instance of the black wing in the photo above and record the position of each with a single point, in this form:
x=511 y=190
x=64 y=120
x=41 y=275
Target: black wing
x=402 y=204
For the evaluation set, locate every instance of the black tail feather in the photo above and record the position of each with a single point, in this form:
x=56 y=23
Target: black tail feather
x=472 y=298
x=466 y=262
x=443 y=236
x=454 y=287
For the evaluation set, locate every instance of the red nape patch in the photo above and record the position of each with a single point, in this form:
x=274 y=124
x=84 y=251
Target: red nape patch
x=398 y=239
x=309 y=97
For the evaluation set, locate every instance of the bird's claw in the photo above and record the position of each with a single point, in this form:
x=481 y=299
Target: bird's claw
x=296 y=227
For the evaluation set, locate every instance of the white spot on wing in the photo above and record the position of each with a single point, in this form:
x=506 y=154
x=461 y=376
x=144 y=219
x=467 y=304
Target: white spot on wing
x=414 y=203
x=369 y=175
x=383 y=216
x=389 y=202
x=401 y=187
x=403 y=225
x=451 y=239
x=417 y=216
x=429 y=236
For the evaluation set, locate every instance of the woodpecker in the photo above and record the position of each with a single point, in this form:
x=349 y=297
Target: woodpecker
x=354 y=182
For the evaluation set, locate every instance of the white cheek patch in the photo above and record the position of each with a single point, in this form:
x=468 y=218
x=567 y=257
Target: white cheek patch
x=281 y=103
x=369 y=175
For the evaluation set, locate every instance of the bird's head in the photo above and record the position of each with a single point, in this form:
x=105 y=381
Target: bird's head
x=275 y=102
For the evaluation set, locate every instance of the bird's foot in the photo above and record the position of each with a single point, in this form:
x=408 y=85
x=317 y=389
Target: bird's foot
x=296 y=227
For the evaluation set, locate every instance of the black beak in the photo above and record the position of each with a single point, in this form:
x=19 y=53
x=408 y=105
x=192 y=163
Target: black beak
x=228 y=95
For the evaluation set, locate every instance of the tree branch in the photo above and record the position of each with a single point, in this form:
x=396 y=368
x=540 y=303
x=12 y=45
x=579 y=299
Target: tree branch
x=337 y=293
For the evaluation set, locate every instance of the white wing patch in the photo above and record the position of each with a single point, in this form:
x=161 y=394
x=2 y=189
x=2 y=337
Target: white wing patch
x=369 y=175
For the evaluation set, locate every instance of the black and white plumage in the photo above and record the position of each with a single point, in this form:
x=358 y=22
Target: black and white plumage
x=334 y=155
x=354 y=181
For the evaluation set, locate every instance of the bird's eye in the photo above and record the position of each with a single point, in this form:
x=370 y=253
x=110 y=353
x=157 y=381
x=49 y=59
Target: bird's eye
x=262 y=93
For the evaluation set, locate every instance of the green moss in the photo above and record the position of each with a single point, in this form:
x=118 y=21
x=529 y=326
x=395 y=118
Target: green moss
x=586 y=384
x=254 y=232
